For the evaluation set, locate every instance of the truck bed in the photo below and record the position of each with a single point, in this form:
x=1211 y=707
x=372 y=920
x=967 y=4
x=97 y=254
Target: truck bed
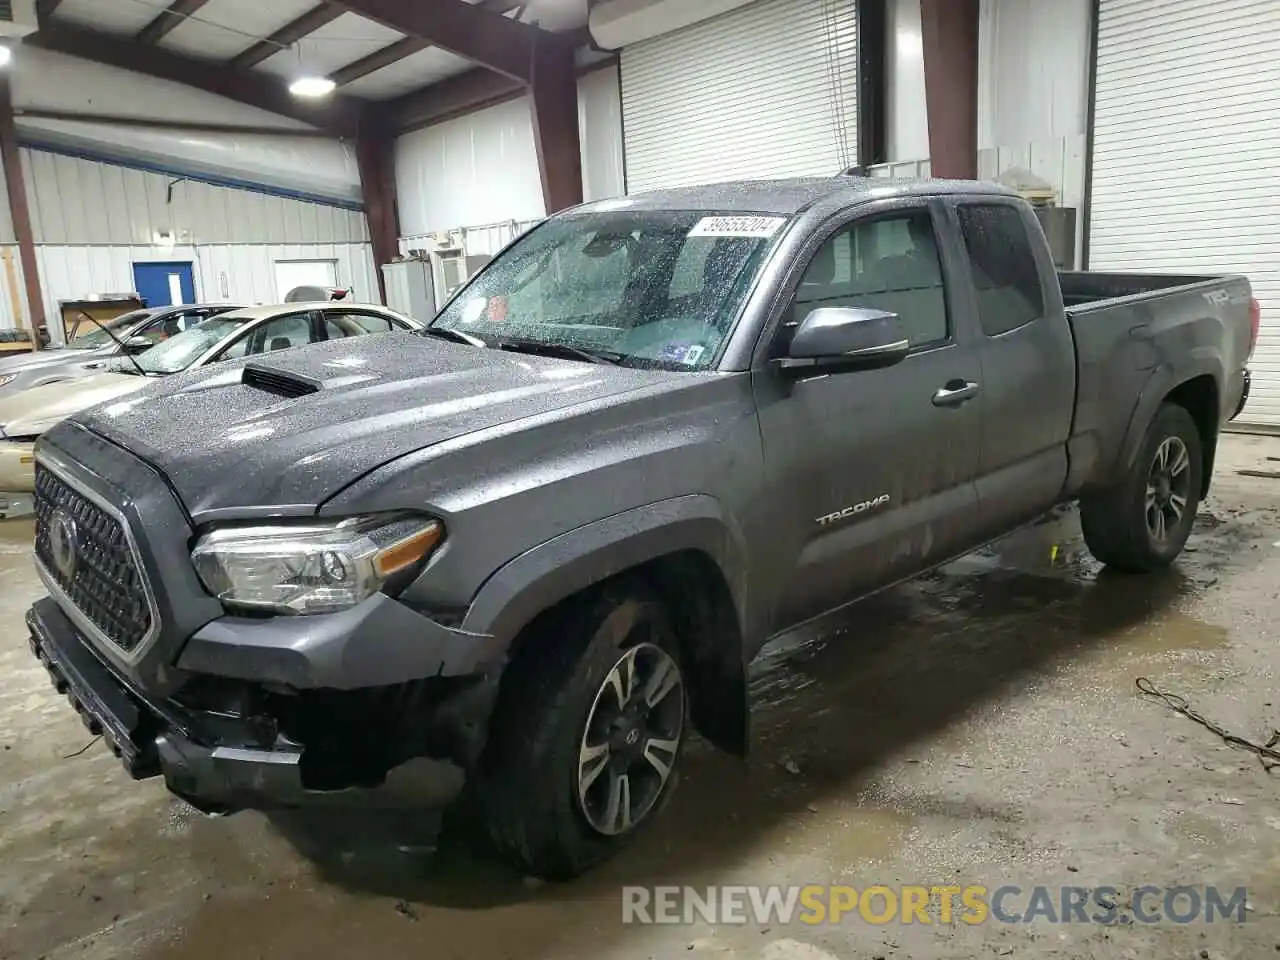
x=1127 y=325
x=1085 y=288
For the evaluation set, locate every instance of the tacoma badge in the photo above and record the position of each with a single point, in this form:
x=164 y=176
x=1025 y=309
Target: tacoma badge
x=853 y=511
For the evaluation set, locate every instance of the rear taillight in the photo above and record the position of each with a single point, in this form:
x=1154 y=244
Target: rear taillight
x=1255 y=325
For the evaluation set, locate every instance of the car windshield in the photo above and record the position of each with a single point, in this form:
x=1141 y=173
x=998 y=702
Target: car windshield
x=181 y=350
x=90 y=336
x=643 y=288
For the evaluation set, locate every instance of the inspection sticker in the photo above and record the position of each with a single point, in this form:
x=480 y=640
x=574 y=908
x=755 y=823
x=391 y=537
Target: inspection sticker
x=737 y=226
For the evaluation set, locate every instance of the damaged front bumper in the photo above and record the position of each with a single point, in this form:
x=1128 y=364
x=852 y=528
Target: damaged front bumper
x=224 y=745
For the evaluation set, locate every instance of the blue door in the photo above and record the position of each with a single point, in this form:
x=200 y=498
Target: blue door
x=165 y=284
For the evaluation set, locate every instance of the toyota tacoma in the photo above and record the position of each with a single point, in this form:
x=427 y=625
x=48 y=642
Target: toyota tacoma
x=533 y=547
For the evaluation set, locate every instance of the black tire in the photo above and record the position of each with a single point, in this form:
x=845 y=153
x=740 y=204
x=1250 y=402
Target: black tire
x=528 y=784
x=1118 y=524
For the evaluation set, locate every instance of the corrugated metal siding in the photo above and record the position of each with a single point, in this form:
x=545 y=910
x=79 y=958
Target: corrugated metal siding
x=76 y=201
x=6 y=218
x=12 y=308
x=768 y=90
x=1186 y=135
x=247 y=273
x=238 y=272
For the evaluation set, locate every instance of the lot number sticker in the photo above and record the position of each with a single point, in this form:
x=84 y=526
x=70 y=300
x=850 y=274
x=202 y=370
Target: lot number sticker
x=737 y=226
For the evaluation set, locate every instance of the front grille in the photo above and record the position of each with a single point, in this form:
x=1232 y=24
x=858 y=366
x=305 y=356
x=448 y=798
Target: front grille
x=105 y=583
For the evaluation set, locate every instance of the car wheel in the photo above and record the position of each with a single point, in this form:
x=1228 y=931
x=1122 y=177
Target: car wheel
x=1142 y=524
x=587 y=735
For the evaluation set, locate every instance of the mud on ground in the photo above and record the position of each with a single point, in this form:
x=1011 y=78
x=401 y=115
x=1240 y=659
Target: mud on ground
x=977 y=726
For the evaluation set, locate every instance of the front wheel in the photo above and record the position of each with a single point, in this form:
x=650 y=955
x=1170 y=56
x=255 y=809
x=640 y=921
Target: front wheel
x=1143 y=523
x=588 y=734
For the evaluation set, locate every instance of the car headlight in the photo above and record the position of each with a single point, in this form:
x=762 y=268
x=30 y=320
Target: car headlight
x=7 y=378
x=314 y=568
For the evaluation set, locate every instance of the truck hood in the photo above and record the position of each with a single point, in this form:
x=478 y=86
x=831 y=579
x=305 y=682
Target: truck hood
x=32 y=412
x=229 y=438
x=19 y=362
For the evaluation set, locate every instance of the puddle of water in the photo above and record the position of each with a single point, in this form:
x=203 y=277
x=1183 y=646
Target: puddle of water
x=1172 y=632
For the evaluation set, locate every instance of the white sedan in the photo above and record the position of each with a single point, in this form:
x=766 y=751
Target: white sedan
x=229 y=336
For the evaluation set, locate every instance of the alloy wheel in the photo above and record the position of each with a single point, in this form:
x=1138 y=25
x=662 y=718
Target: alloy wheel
x=1168 y=488
x=632 y=737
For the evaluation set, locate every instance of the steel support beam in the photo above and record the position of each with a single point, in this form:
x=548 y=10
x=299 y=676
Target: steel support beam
x=177 y=12
x=873 y=113
x=406 y=47
x=556 y=136
x=392 y=53
x=376 y=158
x=472 y=31
x=150 y=123
x=453 y=97
x=286 y=36
x=20 y=212
x=337 y=115
x=949 y=30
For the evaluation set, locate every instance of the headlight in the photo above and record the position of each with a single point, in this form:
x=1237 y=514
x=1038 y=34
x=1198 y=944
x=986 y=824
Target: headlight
x=316 y=568
x=7 y=378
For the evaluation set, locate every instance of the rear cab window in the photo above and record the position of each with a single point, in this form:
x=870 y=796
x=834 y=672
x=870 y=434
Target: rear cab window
x=1002 y=264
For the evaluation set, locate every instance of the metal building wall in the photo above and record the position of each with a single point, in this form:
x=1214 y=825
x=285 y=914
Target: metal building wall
x=482 y=168
x=92 y=221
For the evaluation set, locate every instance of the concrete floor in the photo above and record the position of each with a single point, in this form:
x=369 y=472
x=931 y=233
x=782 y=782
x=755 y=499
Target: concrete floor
x=980 y=726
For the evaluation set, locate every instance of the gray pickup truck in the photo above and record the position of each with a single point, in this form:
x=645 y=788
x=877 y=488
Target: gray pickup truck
x=531 y=549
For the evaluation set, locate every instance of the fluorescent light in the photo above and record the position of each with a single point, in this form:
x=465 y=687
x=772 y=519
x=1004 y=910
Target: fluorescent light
x=312 y=88
x=6 y=55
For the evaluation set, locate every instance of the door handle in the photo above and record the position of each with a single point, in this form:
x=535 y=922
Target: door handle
x=955 y=393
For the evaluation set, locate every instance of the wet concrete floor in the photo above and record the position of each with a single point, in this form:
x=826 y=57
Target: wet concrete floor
x=979 y=726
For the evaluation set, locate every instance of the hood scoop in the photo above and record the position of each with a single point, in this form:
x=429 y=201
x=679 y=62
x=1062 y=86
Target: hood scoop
x=279 y=382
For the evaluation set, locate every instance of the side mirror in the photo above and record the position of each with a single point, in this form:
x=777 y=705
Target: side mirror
x=839 y=339
x=137 y=345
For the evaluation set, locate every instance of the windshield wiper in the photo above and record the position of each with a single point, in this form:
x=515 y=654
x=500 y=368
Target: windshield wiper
x=562 y=351
x=453 y=336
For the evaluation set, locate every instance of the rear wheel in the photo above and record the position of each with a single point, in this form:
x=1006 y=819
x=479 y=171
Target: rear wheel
x=587 y=737
x=1143 y=523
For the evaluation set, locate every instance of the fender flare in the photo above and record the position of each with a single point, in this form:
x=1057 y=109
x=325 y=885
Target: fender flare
x=557 y=569
x=1162 y=382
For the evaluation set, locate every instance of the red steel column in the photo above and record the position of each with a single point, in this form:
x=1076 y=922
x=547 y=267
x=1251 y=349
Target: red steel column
x=20 y=211
x=376 y=158
x=950 y=33
x=554 y=101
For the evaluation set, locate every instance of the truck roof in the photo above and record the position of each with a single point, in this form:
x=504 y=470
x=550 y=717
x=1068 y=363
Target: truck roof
x=789 y=197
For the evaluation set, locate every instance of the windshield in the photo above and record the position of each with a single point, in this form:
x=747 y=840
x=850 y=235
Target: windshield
x=89 y=336
x=181 y=350
x=651 y=288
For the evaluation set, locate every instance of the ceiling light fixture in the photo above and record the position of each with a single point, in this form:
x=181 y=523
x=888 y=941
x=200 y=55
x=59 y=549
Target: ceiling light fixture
x=312 y=88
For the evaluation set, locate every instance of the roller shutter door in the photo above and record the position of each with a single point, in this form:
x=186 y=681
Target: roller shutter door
x=768 y=90
x=1186 y=151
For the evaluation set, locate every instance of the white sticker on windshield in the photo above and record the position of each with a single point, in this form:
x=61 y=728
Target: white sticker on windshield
x=693 y=354
x=474 y=309
x=737 y=226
